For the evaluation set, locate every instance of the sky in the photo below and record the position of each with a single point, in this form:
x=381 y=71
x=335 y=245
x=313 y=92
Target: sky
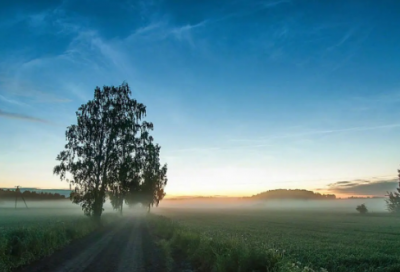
x=245 y=96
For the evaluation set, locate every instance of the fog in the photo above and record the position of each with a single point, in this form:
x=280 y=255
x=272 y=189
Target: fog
x=66 y=207
x=338 y=205
x=50 y=206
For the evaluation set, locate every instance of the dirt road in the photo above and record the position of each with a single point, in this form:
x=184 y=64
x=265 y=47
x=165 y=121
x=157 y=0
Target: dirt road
x=123 y=246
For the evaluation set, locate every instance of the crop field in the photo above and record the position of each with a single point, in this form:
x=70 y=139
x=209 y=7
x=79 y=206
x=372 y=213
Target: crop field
x=11 y=218
x=335 y=241
x=40 y=213
x=29 y=234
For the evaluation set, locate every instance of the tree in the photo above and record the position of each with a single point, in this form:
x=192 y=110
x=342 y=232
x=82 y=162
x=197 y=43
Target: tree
x=393 y=201
x=362 y=209
x=153 y=178
x=102 y=147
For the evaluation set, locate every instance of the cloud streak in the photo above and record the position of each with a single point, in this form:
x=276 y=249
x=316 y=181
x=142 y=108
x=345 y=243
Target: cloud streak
x=319 y=132
x=261 y=143
x=364 y=187
x=11 y=101
x=24 y=117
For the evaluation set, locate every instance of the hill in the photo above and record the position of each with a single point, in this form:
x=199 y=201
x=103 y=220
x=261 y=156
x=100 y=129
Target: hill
x=292 y=194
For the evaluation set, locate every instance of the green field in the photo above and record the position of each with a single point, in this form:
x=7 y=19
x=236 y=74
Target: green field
x=336 y=241
x=11 y=218
x=29 y=234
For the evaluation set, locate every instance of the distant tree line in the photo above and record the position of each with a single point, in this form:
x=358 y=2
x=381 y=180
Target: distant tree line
x=292 y=194
x=7 y=194
x=364 y=197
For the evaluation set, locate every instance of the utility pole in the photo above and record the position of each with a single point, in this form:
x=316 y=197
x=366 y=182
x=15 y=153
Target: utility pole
x=18 y=192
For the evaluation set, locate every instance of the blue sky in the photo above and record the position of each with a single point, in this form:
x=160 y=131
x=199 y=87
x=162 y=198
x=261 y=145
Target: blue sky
x=245 y=96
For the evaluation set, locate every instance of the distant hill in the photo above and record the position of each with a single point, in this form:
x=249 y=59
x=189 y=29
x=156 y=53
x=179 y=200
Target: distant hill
x=292 y=194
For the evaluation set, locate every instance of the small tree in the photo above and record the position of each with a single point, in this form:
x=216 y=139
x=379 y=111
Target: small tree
x=393 y=201
x=362 y=209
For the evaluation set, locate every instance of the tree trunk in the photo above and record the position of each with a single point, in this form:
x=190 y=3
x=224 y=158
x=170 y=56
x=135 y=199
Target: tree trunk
x=98 y=207
x=148 y=210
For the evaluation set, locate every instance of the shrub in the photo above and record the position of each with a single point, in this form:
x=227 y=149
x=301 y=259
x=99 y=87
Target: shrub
x=362 y=209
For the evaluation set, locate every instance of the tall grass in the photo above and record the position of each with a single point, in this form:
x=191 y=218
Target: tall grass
x=204 y=253
x=21 y=245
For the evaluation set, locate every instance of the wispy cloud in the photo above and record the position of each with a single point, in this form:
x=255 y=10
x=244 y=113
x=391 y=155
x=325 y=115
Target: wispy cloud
x=184 y=32
x=11 y=101
x=222 y=148
x=36 y=96
x=163 y=28
x=29 y=118
x=264 y=142
x=318 y=132
x=348 y=35
x=364 y=187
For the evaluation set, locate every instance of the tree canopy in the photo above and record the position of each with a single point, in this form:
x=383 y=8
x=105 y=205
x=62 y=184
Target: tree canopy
x=106 y=150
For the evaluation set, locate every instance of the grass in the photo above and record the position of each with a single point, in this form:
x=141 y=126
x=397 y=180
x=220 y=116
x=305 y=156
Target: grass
x=333 y=241
x=186 y=248
x=28 y=235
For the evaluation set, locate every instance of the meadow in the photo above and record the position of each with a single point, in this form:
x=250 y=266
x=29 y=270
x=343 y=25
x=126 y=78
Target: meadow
x=335 y=240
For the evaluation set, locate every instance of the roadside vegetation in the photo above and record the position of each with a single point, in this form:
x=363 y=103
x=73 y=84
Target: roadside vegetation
x=24 y=241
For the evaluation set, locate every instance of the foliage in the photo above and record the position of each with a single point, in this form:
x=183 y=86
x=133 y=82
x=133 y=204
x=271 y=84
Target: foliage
x=153 y=178
x=105 y=150
x=292 y=194
x=340 y=242
x=393 y=201
x=362 y=209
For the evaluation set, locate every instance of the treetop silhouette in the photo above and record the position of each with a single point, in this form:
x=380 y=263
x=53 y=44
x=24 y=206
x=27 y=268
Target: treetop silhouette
x=106 y=149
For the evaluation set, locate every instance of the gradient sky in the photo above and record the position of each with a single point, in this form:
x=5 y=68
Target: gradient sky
x=245 y=96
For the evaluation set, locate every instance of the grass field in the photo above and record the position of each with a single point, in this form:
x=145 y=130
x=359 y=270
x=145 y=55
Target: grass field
x=336 y=241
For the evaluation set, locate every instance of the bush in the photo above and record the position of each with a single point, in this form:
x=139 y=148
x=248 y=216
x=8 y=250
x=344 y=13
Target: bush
x=362 y=209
